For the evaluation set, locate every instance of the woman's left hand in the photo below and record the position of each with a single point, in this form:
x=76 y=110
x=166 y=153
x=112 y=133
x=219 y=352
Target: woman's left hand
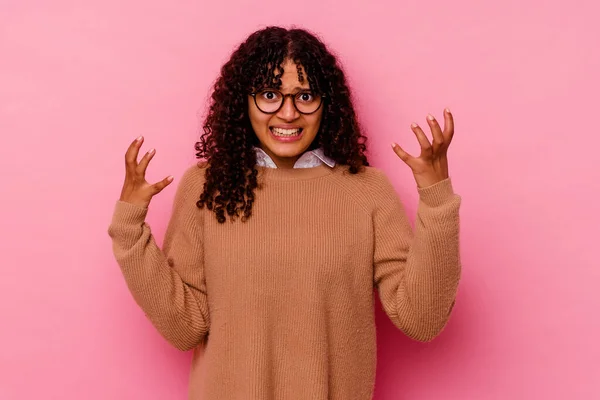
x=431 y=166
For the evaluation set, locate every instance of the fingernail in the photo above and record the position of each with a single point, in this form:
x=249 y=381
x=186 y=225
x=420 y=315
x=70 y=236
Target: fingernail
x=151 y=151
x=448 y=110
x=394 y=145
x=169 y=178
x=430 y=117
x=139 y=138
x=413 y=125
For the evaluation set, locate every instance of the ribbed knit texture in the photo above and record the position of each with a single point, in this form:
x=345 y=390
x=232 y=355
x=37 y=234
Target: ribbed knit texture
x=283 y=303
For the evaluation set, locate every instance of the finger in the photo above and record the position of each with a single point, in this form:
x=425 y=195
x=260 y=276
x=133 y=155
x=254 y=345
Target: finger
x=132 y=153
x=141 y=168
x=436 y=131
x=448 y=126
x=159 y=186
x=404 y=156
x=423 y=141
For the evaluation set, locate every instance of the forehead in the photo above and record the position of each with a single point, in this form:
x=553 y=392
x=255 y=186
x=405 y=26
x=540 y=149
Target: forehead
x=293 y=76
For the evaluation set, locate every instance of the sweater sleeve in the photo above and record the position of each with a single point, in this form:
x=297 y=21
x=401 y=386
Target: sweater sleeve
x=167 y=284
x=416 y=272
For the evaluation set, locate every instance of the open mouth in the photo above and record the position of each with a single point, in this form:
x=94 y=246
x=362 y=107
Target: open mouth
x=280 y=132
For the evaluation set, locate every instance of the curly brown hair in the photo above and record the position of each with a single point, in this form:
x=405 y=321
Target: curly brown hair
x=228 y=141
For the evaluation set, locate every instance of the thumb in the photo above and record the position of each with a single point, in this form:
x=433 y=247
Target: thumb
x=403 y=155
x=160 y=185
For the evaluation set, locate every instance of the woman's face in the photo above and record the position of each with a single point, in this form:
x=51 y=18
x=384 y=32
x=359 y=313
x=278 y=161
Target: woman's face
x=287 y=134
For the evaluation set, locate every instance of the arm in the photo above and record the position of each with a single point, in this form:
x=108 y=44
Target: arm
x=167 y=284
x=417 y=272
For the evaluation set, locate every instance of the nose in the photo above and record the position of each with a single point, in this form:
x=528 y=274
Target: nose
x=288 y=112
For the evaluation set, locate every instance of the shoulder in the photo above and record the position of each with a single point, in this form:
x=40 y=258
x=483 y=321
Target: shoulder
x=192 y=179
x=369 y=177
x=369 y=187
x=195 y=172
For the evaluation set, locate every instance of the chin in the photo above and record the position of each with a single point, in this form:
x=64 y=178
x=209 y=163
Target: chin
x=287 y=151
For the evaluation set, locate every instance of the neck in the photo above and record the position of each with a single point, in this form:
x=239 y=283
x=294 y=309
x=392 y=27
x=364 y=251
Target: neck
x=282 y=162
x=294 y=174
x=285 y=163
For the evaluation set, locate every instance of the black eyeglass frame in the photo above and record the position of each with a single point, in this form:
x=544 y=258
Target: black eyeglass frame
x=284 y=96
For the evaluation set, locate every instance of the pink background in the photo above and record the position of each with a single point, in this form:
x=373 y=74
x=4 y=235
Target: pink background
x=80 y=79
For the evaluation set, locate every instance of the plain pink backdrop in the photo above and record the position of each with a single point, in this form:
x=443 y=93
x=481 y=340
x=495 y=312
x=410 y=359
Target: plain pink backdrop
x=80 y=79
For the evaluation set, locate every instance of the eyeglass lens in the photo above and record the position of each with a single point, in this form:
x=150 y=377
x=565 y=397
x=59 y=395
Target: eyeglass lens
x=270 y=100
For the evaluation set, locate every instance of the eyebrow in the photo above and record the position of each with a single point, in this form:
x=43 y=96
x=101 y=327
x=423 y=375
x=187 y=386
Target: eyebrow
x=297 y=89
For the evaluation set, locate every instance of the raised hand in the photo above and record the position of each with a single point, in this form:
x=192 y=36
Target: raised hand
x=431 y=166
x=136 y=190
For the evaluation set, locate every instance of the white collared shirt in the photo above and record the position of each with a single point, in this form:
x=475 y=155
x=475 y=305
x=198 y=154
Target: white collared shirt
x=309 y=159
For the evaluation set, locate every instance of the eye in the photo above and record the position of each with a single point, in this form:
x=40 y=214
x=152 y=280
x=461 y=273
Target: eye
x=269 y=95
x=305 y=97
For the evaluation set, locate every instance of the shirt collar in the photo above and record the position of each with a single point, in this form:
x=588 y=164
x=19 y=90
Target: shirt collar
x=309 y=159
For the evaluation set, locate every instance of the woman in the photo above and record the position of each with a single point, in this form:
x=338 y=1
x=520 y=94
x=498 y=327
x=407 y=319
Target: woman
x=279 y=237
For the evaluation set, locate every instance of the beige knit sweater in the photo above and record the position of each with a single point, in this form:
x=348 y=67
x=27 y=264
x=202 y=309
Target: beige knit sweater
x=283 y=304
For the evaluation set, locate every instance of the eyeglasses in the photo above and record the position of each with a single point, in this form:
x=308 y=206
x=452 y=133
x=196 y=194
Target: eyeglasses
x=270 y=101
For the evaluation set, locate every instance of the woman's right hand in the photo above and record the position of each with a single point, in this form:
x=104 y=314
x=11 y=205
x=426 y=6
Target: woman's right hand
x=135 y=189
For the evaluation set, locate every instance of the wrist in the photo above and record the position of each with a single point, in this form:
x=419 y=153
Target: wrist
x=135 y=202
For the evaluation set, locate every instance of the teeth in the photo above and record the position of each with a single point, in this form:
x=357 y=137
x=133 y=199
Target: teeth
x=286 y=132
